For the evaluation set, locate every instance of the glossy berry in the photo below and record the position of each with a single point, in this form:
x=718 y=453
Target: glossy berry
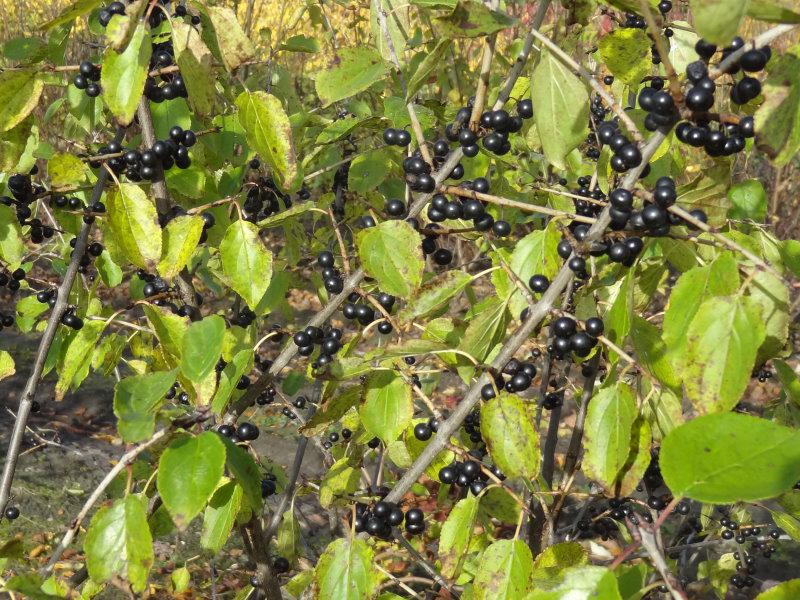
x=247 y=431
x=539 y=283
x=11 y=513
x=395 y=208
x=422 y=431
x=594 y=326
x=563 y=327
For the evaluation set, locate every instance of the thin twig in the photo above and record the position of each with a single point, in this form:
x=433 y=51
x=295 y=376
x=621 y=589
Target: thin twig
x=62 y=298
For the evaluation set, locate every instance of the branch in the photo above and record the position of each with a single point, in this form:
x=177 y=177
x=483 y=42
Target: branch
x=536 y=314
x=483 y=78
x=32 y=384
x=757 y=42
x=124 y=461
x=661 y=48
x=353 y=281
x=159 y=187
x=596 y=86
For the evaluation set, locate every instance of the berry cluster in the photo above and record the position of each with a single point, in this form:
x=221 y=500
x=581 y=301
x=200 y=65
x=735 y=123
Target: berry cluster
x=520 y=376
x=269 y=485
x=494 y=128
x=264 y=198
x=71 y=320
x=569 y=338
x=762 y=374
x=379 y=519
x=243 y=432
x=331 y=277
x=330 y=343
x=365 y=314
x=175 y=392
x=115 y=8
x=12 y=280
x=24 y=193
x=144 y=165
x=171 y=84
x=396 y=137
x=626 y=153
x=93 y=250
x=425 y=429
x=333 y=437
x=467 y=474
x=87 y=77
x=729 y=137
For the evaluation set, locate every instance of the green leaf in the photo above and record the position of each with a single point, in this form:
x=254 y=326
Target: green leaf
x=778 y=117
x=472 y=19
x=118 y=542
x=229 y=378
x=78 y=357
x=561 y=109
x=486 y=328
x=133 y=222
x=345 y=571
x=181 y=237
x=341 y=479
x=789 y=380
x=511 y=439
x=786 y=590
x=772 y=298
x=269 y=133
x=457 y=533
x=608 y=431
x=720 y=278
x=497 y=502
x=652 y=352
x=392 y=254
x=787 y=522
x=246 y=262
x=748 y=200
x=180 y=579
x=66 y=170
x=436 y=4
x=202 y=347
x=730 y=457
x=681 y=46
x=30 y=585
x=136 y=402
x=124 y=74
x=301 y=43
x=169 y=329
x=721 y=345
x=196 y=65
x=7 y=368
x=223 y=34
x=397 y=26
x=368 y=170
x=12 y=250
x=504 y=571
x=718 y=20
x=188 y=473
x=19 y=94
x=287 y=215
x=287 y=539
x=220 y=516
x=72 y=12
x=331 y=411
x=429 y=64
x=534 y=254
x=358 y=68
x=435 y=295
x=626 y=53
x=773 y=11
x=388 y=406
x=550 y=565
x=245 y=471
x=582 y=583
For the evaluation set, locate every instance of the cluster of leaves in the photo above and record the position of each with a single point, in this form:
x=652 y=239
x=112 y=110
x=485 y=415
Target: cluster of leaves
x=191 y=282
